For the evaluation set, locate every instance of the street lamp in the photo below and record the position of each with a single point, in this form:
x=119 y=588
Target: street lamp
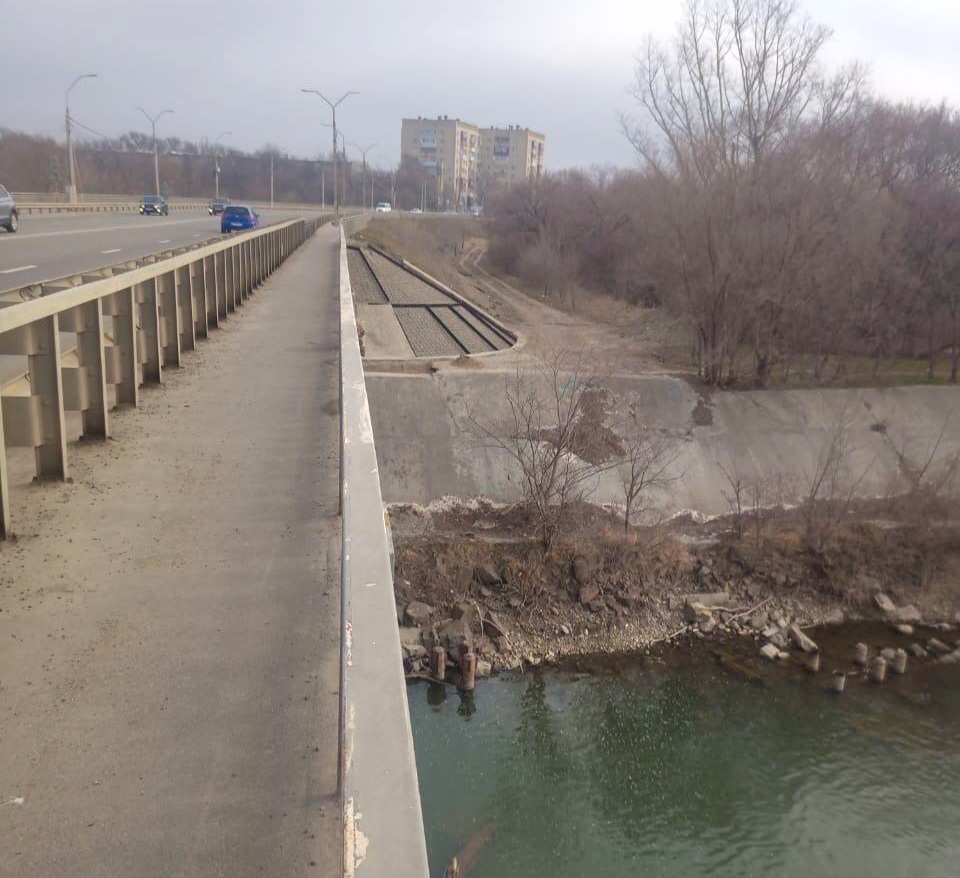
x=216 y=163
x=363 y=151
x=333 y=109
x=282 y=155
x=156 y=161
x=71 y=161
x=343 y=152
x=393 y=180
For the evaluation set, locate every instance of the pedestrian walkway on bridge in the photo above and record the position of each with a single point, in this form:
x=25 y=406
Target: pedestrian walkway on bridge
x=169 y=622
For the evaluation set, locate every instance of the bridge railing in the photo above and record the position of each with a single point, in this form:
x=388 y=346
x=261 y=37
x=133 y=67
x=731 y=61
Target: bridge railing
x=48 y=202
x=382 y=818
x=91 y=346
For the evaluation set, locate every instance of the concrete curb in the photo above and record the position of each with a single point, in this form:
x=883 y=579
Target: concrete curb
x=383 y=834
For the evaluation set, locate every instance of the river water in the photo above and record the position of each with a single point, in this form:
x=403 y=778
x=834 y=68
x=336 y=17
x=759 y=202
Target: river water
x=680 y=768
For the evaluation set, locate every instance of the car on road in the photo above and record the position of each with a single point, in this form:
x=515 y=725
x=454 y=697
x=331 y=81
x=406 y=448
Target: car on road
x=238 y=216
x=217 y=206
x=154 y=204
x=415 y=210
x=384 y=207
x=8 y=211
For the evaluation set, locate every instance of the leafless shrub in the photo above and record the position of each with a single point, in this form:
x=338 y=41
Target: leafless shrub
x=832 y=488
x=735 y=495
x=553 y=435
x=931 y=477
x=645 y=465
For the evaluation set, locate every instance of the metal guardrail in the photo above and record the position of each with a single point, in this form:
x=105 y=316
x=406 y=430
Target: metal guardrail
x=40 y=202
x=128 y=327
x=383 y=835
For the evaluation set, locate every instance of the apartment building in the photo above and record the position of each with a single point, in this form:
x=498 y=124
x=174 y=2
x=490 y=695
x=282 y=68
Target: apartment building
x=511 y=154
x=450 y=147
x=469 y=160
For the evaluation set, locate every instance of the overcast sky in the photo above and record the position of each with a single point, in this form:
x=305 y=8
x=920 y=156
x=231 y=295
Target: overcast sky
x=559 y=66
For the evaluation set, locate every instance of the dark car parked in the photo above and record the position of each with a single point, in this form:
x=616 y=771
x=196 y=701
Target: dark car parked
x=154 y=204
x=238 y=216
x=217 y=206
x=8 y=211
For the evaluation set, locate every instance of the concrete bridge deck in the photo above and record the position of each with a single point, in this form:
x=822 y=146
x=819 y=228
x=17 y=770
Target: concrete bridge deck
x=169 y=621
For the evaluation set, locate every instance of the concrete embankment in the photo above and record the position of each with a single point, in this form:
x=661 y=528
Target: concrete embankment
x=429 y=446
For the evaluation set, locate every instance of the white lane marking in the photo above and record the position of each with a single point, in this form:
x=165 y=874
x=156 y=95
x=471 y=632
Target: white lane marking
x=165 y=241
x=21 y=235
x=18 y=268
x=114 y=250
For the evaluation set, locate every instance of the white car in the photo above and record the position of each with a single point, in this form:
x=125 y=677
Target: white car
x=384 y=207
x=415 y=210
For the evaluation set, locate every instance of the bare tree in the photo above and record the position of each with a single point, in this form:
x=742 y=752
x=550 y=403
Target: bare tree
x=832 y=488
x=645 y=466
x=931 y=476
x=735 y=495
x=555 y=434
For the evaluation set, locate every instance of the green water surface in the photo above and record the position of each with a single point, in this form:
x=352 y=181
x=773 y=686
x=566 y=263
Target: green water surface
x=657 y=769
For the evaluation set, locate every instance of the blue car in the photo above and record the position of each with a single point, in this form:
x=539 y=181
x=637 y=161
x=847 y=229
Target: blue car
x=236 y=217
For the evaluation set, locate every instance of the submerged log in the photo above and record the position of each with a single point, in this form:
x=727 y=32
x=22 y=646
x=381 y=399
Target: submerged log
x=468 y=856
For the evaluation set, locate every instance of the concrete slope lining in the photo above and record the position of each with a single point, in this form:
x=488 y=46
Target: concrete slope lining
x=366 y=288
x=402 y=287
x=426 y=334
x=489 y=333
x=461 y=330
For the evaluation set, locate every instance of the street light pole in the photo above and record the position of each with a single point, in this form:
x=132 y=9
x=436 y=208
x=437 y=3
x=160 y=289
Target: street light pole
x=363 y=152
x=156 y=159
x=333 y=109
x=71 y=160
x=216 y=163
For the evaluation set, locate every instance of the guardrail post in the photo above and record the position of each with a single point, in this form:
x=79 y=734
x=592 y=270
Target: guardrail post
x=89 y=329
x=151 y=352
x=224 y=279
x=124 y=310
x=4 y=486
x=47 y=383
x=186 y=307
x=230 y=278
x=212 y=281
x=256 y=249
x=198 y=289
x=243 y=260
x=169 y=317
x=244 y=256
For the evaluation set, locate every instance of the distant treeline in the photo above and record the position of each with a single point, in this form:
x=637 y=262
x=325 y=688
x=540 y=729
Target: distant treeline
x=788 y=217
x=124 y=166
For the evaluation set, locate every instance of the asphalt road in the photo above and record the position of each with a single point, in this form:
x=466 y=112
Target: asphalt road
x=51 y=246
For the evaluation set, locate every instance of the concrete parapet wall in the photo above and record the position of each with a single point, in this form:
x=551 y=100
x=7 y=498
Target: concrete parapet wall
x=383 y=822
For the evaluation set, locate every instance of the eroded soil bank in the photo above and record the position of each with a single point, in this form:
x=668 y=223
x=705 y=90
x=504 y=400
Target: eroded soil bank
x=470 y=576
